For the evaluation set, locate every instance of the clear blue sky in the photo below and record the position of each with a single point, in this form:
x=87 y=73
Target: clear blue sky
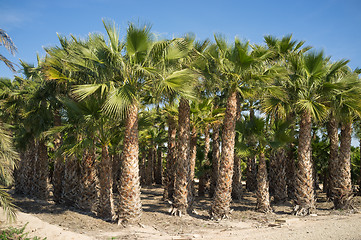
x=330 y=25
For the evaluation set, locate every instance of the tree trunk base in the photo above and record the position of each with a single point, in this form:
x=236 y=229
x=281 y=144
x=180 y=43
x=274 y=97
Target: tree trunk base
x=299 y=210
x=219 y=216
x=343 y=202
x=264 y=209
x=174 y=211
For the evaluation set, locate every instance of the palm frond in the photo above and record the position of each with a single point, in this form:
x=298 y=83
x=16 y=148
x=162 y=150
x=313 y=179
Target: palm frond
x=83 y=91
x=6 y=202
x=119 y=100
x=6 y=41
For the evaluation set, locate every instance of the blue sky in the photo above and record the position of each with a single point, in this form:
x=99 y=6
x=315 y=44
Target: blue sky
x=329 y=25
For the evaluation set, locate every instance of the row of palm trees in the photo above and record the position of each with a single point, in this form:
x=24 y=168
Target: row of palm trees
x=99 y=108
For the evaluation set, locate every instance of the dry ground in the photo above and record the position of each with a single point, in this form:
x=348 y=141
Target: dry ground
x=57 y=222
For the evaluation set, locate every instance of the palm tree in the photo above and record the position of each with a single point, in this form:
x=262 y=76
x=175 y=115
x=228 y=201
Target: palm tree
x=175 y=78
x=237 y=67
x=335 y=74
x=278 y=105
x=348 y=108
x=307 y=78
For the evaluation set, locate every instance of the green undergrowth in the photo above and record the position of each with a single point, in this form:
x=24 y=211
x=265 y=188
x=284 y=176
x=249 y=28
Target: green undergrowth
x=12 y=233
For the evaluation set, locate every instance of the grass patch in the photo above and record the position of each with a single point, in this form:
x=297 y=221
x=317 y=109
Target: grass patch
x=12 y=233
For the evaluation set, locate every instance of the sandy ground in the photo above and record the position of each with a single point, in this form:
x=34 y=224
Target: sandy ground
x=45 y=219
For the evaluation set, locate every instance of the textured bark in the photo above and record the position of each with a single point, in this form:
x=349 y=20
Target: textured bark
x=29 y=167
x=193 y=151
x=305 y=198
x=332 y=131
x=237 y=179
x=116 y=170
x=130 y=206
x=342 y=188
x=263 y=202
x=19 y=174
x=70 y=190
x=279 y=176
x=203 y=180
x=159 y=166
x=170 y=170
x=182 y=165
x=150 y=166
x=105 y=207
x=272 y=172
x=290 y=172
x=192 y=165
x=251 y=181
x=215 y=158
x=58 y=172
x=142 y=168
x=88 y=181
x=222 y=197
x=41 y=180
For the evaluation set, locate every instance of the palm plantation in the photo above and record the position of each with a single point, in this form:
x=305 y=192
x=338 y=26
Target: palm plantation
x=103 y=116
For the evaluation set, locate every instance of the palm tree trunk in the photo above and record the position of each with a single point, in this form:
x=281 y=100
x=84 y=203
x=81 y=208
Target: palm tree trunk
x=142 y=168
x=87 y=183
x=263 y=203
x=332 y=131
x=170 y=170
x=116 y=169
x=342 y=189
x=305 y=200
x=41 y=172
x=237 y=179
x=205 y=175
x=149 y=166
x=279 y=178
x=70 y=190
x=29 y=167
x=19 y=174
x=290 y=172
x=222 y=197
x=58 y=171
x=130 y=207
x=215 y=158
x=182 y=176
x=192 y=165
x=251 y=181
x=106 y=207
x=159 y=166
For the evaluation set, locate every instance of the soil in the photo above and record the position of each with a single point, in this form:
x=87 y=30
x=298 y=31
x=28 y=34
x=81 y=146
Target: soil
x=46 y=219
